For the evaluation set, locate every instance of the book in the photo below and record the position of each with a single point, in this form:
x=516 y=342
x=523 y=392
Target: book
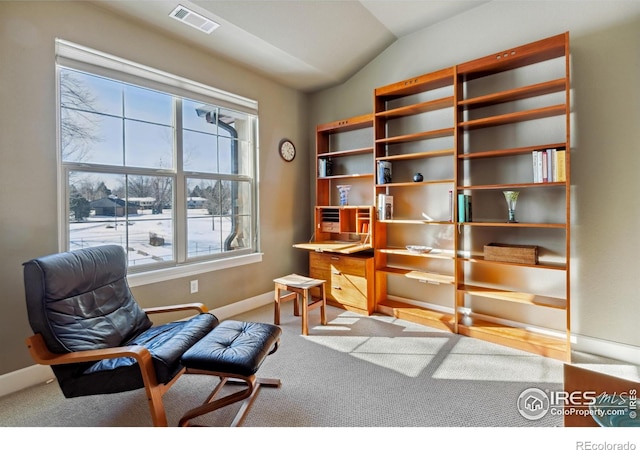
x=561 y=174
x=385 y=207
x=464 y=208
x=384 y=172
x=388 y=207
x=538 y=160
x=467 y=208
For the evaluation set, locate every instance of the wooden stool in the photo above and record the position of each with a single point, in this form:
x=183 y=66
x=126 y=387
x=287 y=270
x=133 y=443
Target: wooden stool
x=298 y=287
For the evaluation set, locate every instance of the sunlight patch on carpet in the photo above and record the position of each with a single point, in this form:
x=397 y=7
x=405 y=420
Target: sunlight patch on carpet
x=471 y=359
x=344 y=344
x=408 y=365
x=405 y=355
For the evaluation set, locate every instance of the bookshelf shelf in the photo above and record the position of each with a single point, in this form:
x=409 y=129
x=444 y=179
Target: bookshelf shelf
x=417 y=314
x=438 y=254
x=541 y=265
x=520 y=338
x=513 y=296
x=419 y=108
x=431 y=134
x=522 y=93
x=509 y=151
x=514 y=225
x=347 y=175
x=521 y=116
x=418 y=155
x=336 y=154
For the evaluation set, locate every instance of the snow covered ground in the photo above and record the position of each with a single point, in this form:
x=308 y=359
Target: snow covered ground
x=134 y=234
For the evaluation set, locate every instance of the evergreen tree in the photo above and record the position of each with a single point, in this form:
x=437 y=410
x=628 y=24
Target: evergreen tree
x=78 y=205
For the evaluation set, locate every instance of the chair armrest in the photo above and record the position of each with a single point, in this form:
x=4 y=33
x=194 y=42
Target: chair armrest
x=200 y=307
x=42 y=355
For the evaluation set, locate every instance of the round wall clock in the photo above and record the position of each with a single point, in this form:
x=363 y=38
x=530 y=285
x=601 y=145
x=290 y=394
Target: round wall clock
x=287 y=150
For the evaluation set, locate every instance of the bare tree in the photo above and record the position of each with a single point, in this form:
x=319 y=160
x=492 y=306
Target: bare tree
x=78 y=122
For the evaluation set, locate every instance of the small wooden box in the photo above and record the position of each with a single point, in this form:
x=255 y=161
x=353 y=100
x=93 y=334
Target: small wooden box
x=523 y=254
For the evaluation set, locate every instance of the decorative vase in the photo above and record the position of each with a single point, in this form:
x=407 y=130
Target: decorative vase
x=418 y=177
x=511 y=197
x=344 y=189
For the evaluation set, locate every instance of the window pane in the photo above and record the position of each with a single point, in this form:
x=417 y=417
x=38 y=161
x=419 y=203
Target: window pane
x=148 y=145
x=101 y=213
x=86 y=92
x=200 y=152
x=150 y=230
x=228 y=155
x=147 y=105
x=197 y=116
x=90 y=137
x=219 y=216
x=89 y=128
x=97 y=213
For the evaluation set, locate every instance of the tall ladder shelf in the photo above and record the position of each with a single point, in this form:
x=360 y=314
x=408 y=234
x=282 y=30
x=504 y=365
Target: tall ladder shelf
x=495 y=112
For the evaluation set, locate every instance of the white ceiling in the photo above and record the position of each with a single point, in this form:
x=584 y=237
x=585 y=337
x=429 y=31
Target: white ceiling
x=304 y=44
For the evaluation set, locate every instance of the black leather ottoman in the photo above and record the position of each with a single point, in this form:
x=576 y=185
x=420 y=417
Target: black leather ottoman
x=232 y=351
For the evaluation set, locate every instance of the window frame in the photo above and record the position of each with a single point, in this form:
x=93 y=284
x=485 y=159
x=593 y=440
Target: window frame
x=74 y=57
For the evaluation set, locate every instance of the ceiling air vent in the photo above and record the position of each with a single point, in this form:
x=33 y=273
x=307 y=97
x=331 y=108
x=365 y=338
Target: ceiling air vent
x=193 y=19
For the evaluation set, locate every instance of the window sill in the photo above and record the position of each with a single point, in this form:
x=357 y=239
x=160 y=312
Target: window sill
x=156 y=276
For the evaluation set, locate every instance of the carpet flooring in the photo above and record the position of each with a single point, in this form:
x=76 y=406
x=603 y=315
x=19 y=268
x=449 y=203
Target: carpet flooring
x=356 y=371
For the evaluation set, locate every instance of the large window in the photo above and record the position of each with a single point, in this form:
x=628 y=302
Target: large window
x=171 y=178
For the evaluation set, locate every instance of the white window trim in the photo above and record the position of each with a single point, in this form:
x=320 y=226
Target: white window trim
x=191 y=269
x=72 y=55
x=82 y=58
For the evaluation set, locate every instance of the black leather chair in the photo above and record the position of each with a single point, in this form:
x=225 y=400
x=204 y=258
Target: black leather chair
x=91 y=331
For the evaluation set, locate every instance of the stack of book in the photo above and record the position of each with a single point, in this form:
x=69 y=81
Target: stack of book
x=549 y=165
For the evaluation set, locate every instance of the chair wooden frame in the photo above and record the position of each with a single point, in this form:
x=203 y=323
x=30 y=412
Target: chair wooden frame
x=154 y=390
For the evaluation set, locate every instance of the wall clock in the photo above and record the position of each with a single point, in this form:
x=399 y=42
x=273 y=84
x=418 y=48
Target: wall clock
x=287 y=150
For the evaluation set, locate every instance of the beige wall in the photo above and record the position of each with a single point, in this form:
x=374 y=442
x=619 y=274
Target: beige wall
x=605 y=44
x=28 y=203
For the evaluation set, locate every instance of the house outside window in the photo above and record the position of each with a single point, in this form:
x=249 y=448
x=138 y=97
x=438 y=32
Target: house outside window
x=166 y=172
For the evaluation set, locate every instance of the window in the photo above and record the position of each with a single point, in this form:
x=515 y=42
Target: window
x=166 y=172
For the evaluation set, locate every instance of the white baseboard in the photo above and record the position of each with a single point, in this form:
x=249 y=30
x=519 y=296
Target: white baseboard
x=21 y=379
x=36 y=374
x=607 y=349
x=224 y=312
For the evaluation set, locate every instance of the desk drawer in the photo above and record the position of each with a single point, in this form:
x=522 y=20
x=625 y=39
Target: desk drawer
x=338 y=263
x=349 y=289
x=349 y=279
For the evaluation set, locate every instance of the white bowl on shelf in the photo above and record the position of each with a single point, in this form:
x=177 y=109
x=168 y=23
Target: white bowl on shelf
x=418 y=249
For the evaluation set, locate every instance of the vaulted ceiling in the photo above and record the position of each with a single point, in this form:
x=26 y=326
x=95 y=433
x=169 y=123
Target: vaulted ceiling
x=304 y=44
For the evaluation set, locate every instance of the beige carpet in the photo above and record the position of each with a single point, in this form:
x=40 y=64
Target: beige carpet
x=357 y=371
